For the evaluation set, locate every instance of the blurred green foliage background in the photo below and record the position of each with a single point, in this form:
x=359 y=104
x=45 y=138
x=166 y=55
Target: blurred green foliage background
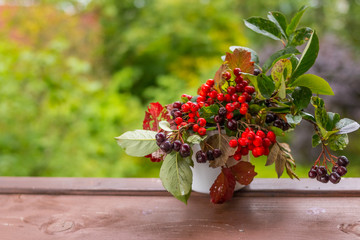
x=75 y=74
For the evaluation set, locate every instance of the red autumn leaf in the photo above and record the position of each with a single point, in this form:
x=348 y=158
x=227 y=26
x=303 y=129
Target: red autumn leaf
x=240 y=58
x=218 y=79
x=244 y=172
x=223 y=187
x=155 y=114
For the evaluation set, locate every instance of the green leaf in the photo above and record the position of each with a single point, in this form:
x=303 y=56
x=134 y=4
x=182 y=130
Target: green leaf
x=308 y=57
x=165 y=125
x=279 y=19
x=291 y=119
x=307 y=116
x=295 y=21
x=138 y=143
x=333 y=119
x=315 y=83
x=347 y=125
x=254 y=55
x=266 y=85
x=264 y=27
x=294 y=61
x=315 y=140
x=176 y=176
x=338 y=142
x=300 y=36
x=281 y=54
x=301 y=97
x=321 y=116
x=209 y=112
x=195 y=139
x=277 y=131
x=280 y=73
x=280 y=109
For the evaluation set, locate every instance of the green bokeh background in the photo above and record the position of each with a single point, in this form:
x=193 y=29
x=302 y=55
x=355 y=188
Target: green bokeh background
x=75 y=74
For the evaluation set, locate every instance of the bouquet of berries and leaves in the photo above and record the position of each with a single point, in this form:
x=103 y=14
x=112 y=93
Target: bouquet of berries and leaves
x=245 y=107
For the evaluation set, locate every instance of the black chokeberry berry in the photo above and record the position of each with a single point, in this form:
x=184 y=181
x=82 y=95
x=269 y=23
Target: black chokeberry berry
x=231 y=124
x=217 y=153
x=177 y=114
x=278 y=123
x=222 y=111
x=334 y=168
x=312 y=173
x=166 y=146
x=334 y=178
x=218 y=119
x=341 y=170
x=342 y=161
x=177 y=145
x=270 y=117
x=177 y=105
x=200 y=156
x=160 y=137
x=210 y=155
x=323 y=179
x=256 y=71
x=185 y=150
x=321 y=171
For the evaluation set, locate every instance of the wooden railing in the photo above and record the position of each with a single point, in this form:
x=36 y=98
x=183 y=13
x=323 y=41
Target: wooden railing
x=133 y=208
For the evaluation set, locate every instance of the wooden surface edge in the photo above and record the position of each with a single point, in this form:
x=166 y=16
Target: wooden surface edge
x=348 y=187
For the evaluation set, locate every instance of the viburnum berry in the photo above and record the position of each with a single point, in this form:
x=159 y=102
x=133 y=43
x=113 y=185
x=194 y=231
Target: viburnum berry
x=237 y=71
x=257 y=141
x=260 y=133
x=243 y=142
x=178 y=120
x=233 y=143
x=210 y=101
x=236 y=105
x=230 y=107
x=251 y=136
x=191 y=120
x=220 y=97
x=271 y=135
x=210 y=82
x=183 y=124
x=231 y=90
x=226 y=75
x=177 y=105
x=205 y=88
x=244 y=151
x=239 y=79
x=202 y=93
x=266 y=151
x=227 y=97
x=189 y=97
x=194 y=107
x=234 y=97
x=251 y=146
x=266 y=142
x=185 y=108
x=245 y=83
x=237 y=157
x=244 y=134
x=196 y=128
x=202 y=131
x=242 y=99
x=201 y=122
x=245 y=105
x=249 y=89
x=229 y=115
x=239 y=88
x=192 y=115
x=213 y=94
x=243 y=110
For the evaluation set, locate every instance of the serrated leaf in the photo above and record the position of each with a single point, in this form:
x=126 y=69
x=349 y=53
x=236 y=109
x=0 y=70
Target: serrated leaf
x=264 y=27
x=156 y=113
x=291 y=119
x=195 y=139
x=138 y=143
x=280 y=20
x=315 y=83
x=165 y=125
x=301 y=97
x=315 y=140
x=209 y=112
x=266 y=85
x=290 y=172
x=254 y=55
x=240 y=58
x=221 y=142
x=308 y=57
x=295 y=21
x=223 y=188
x=300 y=36
x=281 y=54
x=347 y=125
x=338 y=142
x=218 y=79
x=176 y=176
x=280 y=73
x=321 y=116
x=244 y=172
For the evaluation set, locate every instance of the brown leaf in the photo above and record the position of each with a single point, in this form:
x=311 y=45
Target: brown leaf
x=289 y=169
x=244 y=172
x=240 y=58
x=221 y=142
x=218 y=79
x=223 y=187
x=280 y=154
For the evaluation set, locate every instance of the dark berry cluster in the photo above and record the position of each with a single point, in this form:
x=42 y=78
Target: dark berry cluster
x=209 y=155
x=338 y=170
x=168 y=145
x=276 y=121
x=258 y=142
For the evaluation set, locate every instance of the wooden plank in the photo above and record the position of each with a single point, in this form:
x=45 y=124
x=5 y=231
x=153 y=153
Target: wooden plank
x=348 y=187
x=45 y=217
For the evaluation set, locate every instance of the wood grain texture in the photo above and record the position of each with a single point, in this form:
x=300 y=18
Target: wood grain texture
x=93 y=213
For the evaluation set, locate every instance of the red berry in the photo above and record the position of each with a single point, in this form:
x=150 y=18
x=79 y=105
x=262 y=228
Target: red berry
x=192 y=115
x=244 y=151
x=259 y=150
x=231 y=90
x=203 y=94
x=234 y=97
x=191 y=120
x=237 y=71
x=210 y=101
x=201 y=104
x=245 y=105
x=257 y=141
x=260 y=133
x=197 y=114
x=247 y=96
x=229 y=115
x=237 y=157
x=266 y=151
x=196 y=128
x=186 y=96
x=243 y=110
x=233 y=143
x=185 y=108
x=201 y=122
x=200 y=99
x=205 y=88
x=194 y=107
x=220 y=97
x=251 y=147
x=249 y=89
x=242 y=99
x=271 y=135
x=248 y=130
x=236 y=105
x=227 y=97
x=181 y=125
x=266 y=142
x=210 y=82
x=226 y=75
x=178 y=120
x=239 y=88
x=230 y=107
x=243 y=142
x=202 y=131
x=251 y=136
x=244 y=134
x=213 y=94
x=245 y=83
x=239 y=79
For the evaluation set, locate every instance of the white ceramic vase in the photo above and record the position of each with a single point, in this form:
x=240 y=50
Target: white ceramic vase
x=204 y=176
